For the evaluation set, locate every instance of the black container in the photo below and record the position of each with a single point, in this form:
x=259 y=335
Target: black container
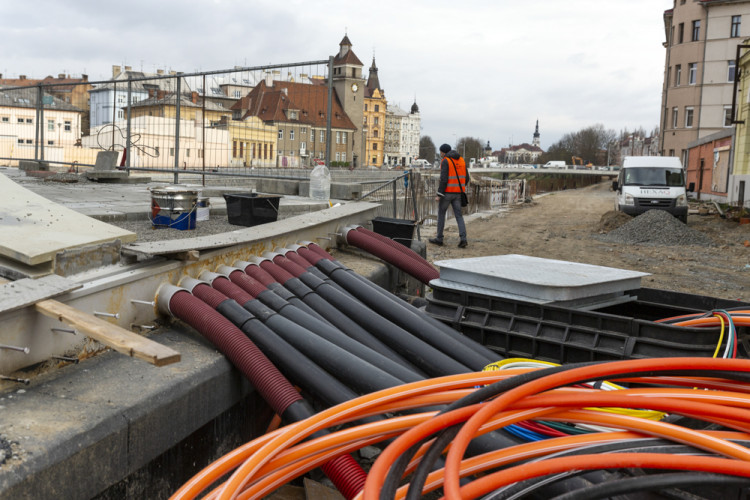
x=520 y=329
x=400 y=230
x=251 y=209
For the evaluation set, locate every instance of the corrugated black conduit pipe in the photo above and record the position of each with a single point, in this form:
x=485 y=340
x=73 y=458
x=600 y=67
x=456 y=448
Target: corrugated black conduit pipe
x=359 y=374
x=424 y=356
x=345 y=473
x=453 y=344
x=423 y=272
x=313 y=380
x=395 y=245
x=330 y=313
x=400 y=312
x=319 y=328
x=254 y=271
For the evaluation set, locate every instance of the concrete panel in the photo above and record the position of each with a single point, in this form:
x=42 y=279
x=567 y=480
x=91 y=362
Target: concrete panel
x=106 y=160
x=33 y=229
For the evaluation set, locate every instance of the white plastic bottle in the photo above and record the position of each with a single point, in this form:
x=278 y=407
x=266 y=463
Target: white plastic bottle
x=320 y=183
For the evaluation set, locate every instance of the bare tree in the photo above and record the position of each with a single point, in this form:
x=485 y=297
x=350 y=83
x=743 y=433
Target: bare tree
x=427 y=148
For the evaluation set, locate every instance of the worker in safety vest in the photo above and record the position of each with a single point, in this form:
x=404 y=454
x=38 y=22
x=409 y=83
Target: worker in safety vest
x=454 y=177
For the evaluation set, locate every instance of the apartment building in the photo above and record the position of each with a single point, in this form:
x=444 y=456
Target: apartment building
x=699 y=71
x=374 y=120
x=402 y=134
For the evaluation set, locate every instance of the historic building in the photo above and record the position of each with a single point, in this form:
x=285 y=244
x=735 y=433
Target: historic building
x=699 y=70
x=374 y=121
x=402 y=135
x=348 y=83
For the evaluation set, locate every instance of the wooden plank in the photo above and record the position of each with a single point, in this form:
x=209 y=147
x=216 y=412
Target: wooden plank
x=25 y=292
x=114 y=336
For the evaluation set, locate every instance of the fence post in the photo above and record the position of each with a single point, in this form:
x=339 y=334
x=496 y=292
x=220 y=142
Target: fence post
x=128 y=133
x=38 y=134
x=177 y=130
x=329 y=111
x=395 y=199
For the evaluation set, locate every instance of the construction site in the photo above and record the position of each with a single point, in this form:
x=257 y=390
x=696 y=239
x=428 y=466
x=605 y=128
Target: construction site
x=307 y=352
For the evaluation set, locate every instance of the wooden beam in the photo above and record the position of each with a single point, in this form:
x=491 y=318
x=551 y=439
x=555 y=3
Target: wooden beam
x=114 y=336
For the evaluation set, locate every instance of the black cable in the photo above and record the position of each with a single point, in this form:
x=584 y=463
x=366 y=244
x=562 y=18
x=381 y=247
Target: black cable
x=653 y=482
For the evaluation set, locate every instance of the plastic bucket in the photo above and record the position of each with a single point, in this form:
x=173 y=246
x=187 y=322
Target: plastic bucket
x=173 y=207
x=202 y=209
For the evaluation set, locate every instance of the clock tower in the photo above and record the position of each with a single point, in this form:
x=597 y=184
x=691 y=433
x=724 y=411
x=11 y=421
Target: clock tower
x=349 y=85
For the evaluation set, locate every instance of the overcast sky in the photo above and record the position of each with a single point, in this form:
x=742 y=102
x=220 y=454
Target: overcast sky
x=479 y=68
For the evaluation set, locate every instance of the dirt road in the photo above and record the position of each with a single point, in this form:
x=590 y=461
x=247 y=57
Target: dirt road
x=570 y=226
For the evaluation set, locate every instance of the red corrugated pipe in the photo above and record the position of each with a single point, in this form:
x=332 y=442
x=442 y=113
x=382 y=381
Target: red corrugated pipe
x=420 y=269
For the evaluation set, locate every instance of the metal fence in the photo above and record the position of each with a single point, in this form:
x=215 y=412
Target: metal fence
x=230 y=121
x=411 y=196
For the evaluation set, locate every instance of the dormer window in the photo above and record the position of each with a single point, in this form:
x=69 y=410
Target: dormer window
x=293 y=115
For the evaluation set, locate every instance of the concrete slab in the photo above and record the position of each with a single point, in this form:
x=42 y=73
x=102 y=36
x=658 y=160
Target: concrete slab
x=301 y=227
x=33 y=229
x=544 y=279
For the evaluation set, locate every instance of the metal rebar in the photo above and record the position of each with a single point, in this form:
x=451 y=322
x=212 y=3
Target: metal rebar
x=143 y=327
x=24 y=350
x=63 y=330
x=23 y=381
x=107 y=315
x=144 y=302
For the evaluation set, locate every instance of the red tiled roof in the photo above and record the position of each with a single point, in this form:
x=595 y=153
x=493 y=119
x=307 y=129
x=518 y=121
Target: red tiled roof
x=270 y=104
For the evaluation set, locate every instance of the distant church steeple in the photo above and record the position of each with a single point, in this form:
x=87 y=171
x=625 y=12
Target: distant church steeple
x=536 y=141
x=372 y=81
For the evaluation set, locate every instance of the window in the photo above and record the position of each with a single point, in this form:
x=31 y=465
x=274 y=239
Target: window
x=303 y=131
x=681 y=33
x=365 y=107
x=291 y=135
x=338 y=156
x=234 y=149
x=692 y=73
x=727 y=116
x=50 y=125
x=120 y=114
x=20 y=141
x=734 y=32
x=731 y=70
x=343 y=137
x=677 y=75
x=689 y=117
x=674 y=117
x=281 y=134
x=237 y=94
x=696 y=31
x=200 y=153
x=50 y=143
x=343 y=156
x=377 y=108
x=5 y=119
x=375 y=133
x=68 y=126
x=375 y=121
x=171 y=151
x=374 y=146
x=338 y=137
x=292 y=115
x=302 y=146
x=322 y=136
x=28 y=141
x=187 y=153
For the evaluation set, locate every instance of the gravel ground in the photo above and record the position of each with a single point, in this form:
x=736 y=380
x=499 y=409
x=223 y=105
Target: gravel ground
x=146 y=232
x=656 y=227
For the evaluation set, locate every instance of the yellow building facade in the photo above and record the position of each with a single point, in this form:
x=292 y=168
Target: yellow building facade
x=739 y=182
x=374 y=119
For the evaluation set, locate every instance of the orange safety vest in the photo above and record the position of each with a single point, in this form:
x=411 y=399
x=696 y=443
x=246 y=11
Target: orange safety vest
x=456 y=175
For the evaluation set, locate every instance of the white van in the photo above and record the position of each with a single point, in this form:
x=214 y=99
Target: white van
x=554 y=164
x=652 y=182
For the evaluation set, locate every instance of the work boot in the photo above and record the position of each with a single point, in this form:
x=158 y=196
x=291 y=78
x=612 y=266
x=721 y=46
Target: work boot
x=436 y=241
x=463 y=244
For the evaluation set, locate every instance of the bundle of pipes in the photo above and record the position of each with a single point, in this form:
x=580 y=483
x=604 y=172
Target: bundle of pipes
x=333 y=333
